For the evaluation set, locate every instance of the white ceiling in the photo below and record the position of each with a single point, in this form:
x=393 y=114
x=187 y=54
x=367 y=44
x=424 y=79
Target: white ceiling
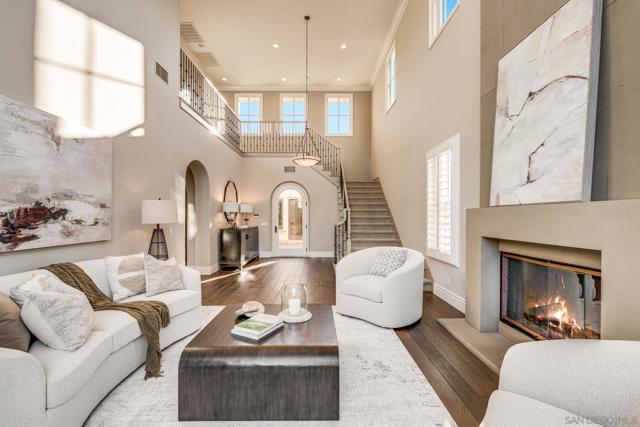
x=240 y=35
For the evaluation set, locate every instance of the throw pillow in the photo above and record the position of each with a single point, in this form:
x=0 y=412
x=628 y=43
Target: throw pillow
x=57 y=314
x=125 y=275
x=13 y=333
x=387 y=261
x=162 y=276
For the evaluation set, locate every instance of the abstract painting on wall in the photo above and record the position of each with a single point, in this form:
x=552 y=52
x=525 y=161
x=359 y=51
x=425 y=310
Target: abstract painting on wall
x=53 y=190
x=546 y=110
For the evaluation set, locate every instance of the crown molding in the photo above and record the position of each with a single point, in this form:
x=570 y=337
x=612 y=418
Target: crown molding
x=285 y=89
x=388 y=41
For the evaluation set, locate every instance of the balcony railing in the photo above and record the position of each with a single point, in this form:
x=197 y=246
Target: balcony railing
x=285 y=137
x=200 y=97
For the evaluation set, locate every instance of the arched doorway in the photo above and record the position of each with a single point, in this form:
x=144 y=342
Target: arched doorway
x=290 y=220
x=197 y=242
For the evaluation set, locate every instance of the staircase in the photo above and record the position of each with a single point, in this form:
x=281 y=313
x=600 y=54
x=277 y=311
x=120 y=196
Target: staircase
x=371 y=221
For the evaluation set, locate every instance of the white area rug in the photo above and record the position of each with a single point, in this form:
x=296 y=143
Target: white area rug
x=380 y=386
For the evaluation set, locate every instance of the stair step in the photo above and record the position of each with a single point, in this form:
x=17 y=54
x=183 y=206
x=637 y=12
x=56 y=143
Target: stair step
x=372 y=228
x=387 y=235
x=365 y=215
x=374 y=240
x=363 y=188
x=370 y=221
x=371 y=203
x=363 y=184
x=365 y=196
x=361 y=209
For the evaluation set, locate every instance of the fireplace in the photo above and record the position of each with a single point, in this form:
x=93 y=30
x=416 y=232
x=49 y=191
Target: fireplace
x=550 y=300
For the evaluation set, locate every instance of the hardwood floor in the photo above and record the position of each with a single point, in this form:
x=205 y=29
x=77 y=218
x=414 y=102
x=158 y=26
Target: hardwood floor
x=461 y=380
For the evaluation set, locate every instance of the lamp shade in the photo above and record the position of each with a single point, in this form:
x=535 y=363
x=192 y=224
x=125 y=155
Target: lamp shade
x=246 y=208
x=159 y=212
x=230 y=207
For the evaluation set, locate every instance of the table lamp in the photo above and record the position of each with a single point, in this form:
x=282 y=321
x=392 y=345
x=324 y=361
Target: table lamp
x=230 y=210
x=245 y=210
x=159 y=212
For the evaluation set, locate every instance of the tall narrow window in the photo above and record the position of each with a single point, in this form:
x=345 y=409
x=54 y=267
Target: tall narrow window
x=339 y=113
x=249 y=108
x=391 y=66
x=293 y=113
x=443 y=201
x=439 y=13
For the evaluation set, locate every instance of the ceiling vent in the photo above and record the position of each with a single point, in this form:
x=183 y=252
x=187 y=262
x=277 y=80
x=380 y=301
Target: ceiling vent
x=189 y=33
x=289 y=169
x=207 y=59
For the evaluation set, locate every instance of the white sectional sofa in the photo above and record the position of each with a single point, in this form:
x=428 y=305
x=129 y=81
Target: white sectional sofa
x=47 y=387
x=567 y=383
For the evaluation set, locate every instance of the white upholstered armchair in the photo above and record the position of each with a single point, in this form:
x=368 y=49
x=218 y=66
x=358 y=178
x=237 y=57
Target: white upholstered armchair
x=568 y=383
x=391 y=302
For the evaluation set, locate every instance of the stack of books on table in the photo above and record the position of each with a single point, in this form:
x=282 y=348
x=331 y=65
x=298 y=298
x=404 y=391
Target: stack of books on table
x=257 y=327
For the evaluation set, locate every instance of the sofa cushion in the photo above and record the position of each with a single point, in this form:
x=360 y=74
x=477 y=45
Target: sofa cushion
x=125 y=275
x=124 y=328
x=162 y=276
x=13 y=333
x=365 y=286
x=57 y=314
x=67 y=372
x=505 y=407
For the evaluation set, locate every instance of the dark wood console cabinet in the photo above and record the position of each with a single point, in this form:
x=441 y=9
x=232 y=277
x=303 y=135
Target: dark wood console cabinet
x=238 y=246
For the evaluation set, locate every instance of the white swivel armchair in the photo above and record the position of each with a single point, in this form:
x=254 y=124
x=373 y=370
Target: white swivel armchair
x=391 y=302
x=568 y=383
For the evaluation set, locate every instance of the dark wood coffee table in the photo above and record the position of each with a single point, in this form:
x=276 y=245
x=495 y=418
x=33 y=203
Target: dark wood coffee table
x=292 y=375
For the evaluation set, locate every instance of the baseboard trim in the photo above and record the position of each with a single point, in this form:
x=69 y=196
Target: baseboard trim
x=313 y=254
x=320 y=254
x=449 y=297
x=205 y=269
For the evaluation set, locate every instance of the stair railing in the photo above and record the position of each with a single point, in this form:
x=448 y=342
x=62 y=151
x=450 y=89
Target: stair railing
x=342 y=230
x=284 y=138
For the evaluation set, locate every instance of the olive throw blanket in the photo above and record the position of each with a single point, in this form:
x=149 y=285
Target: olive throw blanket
x=150 y=315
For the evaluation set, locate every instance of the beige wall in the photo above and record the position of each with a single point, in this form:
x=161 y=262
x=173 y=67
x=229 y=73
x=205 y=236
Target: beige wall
x=143 y=168
x=265 y=174
x=438 y=92
x=506 y=23
x=355 y=149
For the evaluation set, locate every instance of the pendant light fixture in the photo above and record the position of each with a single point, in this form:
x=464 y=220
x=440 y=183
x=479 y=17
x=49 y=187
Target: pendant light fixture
x=307 y=153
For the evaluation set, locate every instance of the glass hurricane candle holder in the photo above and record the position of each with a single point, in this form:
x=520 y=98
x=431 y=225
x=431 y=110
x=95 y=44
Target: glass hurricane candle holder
x=293 y=303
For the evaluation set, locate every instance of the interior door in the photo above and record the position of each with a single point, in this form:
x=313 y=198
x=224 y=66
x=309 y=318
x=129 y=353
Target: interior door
x=295 y=220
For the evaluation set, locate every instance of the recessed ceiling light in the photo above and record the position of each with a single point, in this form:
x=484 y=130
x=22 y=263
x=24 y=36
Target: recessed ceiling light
x=343 y=46
x=224 y=79
x=338 y=79
x=275 y=45
x=284 y=79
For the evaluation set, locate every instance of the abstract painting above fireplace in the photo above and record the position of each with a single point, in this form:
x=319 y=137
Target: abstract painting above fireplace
x=550 y=300
x=545 y=110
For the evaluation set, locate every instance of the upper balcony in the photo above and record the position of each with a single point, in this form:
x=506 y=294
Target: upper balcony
x=201 y=100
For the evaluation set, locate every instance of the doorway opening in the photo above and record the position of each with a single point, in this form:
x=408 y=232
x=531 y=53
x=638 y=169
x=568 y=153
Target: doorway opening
x=197 y=233
x=290 y=220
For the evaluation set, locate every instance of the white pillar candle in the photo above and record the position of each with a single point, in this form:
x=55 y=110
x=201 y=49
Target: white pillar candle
x=294 y=306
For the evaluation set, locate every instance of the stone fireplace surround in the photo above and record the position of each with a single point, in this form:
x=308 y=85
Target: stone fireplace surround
x=602 y=235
